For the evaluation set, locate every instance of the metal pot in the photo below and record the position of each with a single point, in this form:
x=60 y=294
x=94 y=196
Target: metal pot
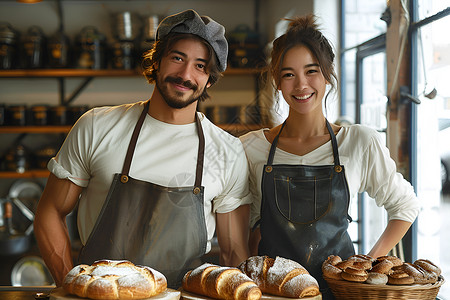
x=14 y=244
x=11 y=241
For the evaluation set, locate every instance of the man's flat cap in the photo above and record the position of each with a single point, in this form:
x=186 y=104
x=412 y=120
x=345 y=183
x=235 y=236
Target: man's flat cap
x=190 y=21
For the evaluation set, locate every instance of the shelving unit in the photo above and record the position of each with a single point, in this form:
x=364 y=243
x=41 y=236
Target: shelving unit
x=57 y=73
x=90 y=74
x=34 y=129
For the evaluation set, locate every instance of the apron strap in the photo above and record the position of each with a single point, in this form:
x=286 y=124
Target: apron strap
x=133 y=141
x=200 y=156
x=333 y=144
x=274 y=146
x=132 y=147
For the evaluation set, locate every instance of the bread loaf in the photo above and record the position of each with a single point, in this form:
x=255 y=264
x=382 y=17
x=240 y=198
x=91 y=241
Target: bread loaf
x=220 y=283
x=280 y=276
x=114 y=279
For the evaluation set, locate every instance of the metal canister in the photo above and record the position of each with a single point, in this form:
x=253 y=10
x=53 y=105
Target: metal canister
x=39 y=115
x=59 y=50
x=17 y=160
x=43 y=155
x=123 y=53
x=127 y=26
x=2 y=114
x=8 y=46
x=75 y=112
x=91 y=49
x=17 y=115
x=58 y=115
x=149 y=33
x=34 y=46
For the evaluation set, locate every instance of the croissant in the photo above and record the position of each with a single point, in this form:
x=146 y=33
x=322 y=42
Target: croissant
x=280 y=277
x=220 y=283
x=114 y=279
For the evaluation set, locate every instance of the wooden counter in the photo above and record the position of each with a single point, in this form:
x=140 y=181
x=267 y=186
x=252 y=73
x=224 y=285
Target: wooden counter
x=23 y=292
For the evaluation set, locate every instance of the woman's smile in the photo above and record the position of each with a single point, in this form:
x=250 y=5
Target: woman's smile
x=303 y=98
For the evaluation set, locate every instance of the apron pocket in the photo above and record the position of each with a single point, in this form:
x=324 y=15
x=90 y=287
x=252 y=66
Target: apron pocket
x=303 y=200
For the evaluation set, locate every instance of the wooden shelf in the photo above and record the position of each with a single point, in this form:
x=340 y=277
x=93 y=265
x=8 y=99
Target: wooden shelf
x=35 y=129
x=54 y=73
x=51 y=73
x=240 y=127
x=26 y=174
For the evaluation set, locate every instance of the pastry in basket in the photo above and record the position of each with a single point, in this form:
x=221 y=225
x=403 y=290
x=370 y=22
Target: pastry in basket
x=400 y=277
x=114 y=279
x=423 y=271
x=329 y=268
x=428 y=266
x=355 y=268
x=220 y=283
x=393 y=259
x=382 y=270
x=354 y=274
x=280 y=276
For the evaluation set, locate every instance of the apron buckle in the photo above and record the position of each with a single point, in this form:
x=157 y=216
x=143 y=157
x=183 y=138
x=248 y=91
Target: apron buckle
x=196 y=190
x=338 y=169
x=269 y=169
x=124 y=178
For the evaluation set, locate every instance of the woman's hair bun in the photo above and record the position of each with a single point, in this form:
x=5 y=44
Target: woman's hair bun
x=305 y=23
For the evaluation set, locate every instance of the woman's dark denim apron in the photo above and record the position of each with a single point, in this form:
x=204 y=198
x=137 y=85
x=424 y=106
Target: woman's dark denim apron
x=304 y=212
x=148 y=224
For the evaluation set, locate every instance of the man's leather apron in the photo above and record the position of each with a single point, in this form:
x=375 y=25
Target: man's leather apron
x=304 y=212
x=148 y=224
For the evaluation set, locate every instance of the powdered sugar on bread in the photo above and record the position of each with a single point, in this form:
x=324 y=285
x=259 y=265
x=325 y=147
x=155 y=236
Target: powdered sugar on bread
x=108 y=279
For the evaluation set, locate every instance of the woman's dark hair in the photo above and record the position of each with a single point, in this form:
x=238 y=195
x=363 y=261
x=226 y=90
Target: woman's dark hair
x=303 y=31
x=152 y=59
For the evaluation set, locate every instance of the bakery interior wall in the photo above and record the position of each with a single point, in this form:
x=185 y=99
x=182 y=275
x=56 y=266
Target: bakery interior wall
x=232 y=90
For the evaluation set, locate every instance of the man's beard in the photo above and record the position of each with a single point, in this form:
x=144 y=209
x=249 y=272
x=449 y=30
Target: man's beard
x=177 y=100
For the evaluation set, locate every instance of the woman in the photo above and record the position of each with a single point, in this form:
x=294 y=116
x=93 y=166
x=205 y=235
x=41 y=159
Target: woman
x=304 y=172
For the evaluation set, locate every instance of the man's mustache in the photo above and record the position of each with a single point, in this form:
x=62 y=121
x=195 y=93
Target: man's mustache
x=179 y=80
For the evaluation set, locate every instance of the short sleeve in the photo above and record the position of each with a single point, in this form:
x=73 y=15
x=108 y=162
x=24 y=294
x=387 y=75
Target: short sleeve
x=72 y=159
x=235 y=192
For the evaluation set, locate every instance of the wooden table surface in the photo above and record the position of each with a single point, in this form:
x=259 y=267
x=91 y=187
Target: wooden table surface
x=23 y=293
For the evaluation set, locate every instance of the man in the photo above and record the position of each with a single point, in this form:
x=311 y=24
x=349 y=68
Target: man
x=153 y=180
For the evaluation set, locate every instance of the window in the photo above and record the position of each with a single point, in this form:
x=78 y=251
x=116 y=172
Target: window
x=362 y=98
x=430 y=61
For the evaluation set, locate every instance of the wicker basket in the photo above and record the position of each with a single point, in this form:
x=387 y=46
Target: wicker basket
x=347 y=290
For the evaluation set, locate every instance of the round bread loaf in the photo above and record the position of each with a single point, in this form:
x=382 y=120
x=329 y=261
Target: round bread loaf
x=428 y=266
x=329 y=268
x=420 y=275
x=393 y=259
x=400 y=277
x=353 y=274
x=382 y=267
x=114 y=279
x=363 y=256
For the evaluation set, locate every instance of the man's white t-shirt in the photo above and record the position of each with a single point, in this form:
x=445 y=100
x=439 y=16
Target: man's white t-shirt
x=165 y=154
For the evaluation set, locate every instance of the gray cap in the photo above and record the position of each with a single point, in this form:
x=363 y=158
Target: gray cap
x=189 y=21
